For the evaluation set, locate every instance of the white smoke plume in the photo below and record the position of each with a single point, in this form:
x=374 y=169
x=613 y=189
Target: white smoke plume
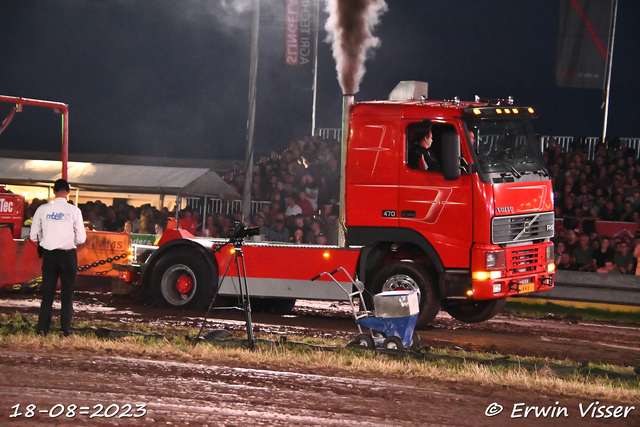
x=237 y=6
x=349 y=28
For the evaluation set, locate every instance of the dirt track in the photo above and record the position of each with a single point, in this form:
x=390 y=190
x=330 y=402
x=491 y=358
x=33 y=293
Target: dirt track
x=178 y=393
x=574 y=340
x=188 y=393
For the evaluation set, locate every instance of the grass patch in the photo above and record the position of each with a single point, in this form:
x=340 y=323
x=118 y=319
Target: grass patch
x=571 y=313
x=456 y=367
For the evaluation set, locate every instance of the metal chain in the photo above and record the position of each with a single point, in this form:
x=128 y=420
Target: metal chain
x=35 y=283
x=102 y=262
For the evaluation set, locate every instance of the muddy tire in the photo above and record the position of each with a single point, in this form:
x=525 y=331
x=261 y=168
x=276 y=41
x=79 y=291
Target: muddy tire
x=415 y=341
x=183 y=279
x=410 y=276
x=393 y=343
x=474 y=311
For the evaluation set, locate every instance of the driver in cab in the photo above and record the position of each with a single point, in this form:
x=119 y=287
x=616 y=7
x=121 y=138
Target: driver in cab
x=421 y=156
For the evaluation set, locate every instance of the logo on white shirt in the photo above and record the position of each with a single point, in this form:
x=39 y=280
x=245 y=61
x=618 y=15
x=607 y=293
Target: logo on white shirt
x=55 y=216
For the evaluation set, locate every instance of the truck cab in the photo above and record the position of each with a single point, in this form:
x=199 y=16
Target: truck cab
x=466 y=234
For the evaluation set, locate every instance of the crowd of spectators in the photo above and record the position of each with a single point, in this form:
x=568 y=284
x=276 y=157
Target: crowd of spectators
x=299 y=189
x=593 y=253
x=606 y=188
x=122 y=217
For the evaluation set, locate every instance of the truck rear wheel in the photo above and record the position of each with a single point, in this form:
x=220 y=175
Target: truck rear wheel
x=410 y=276
x=182 y=279
x=474 y=311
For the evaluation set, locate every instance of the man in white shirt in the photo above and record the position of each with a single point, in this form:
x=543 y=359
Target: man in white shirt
x=59 y=228
x=292 y=207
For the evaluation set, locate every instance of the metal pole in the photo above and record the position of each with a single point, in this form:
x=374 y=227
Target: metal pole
x=347 y=102
x=612 y=29
x=315 y=71
x=248 y=161
x=178 y=202
x=65 y=143
x=204 y=215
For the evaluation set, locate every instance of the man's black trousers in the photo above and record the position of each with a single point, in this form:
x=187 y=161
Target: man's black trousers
x=64 y=265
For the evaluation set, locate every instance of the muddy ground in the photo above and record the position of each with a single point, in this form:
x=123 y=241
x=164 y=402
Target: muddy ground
x=573 y=340
x=186 y=393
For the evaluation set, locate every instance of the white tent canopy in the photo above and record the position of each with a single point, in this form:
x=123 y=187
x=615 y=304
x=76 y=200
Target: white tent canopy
x=122 y=178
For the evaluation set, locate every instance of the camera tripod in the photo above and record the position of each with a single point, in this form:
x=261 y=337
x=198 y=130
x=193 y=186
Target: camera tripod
x=238 y=258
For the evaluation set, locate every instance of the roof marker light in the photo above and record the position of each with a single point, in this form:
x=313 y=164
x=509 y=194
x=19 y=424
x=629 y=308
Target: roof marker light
x=476 y=111
x=507 y=111
x=499 y=111
x=515 y=110
x=530 y=110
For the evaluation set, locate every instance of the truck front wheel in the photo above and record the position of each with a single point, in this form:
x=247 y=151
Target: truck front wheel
x=182 y=279
x=410 y=276
x=474 y=311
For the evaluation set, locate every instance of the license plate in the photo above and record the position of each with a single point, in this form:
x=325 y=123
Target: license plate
x=526 y=288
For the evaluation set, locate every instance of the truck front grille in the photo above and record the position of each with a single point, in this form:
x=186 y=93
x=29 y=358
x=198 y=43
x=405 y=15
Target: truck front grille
x=525 y=259
x=518 y=228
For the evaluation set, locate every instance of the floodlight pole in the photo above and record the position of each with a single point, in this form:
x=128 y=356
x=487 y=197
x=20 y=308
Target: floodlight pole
x=612 y=36
x=248 y=160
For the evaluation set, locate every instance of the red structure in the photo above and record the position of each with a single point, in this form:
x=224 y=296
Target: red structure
x=20 y=262
x=58 y=107
x=11 y=211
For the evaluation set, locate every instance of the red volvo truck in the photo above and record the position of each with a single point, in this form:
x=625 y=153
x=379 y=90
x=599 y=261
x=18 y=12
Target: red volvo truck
x=466 y=236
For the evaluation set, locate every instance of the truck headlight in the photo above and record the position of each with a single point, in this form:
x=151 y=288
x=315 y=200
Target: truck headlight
x=550 y=253
x=484 y=275
x=496 y=260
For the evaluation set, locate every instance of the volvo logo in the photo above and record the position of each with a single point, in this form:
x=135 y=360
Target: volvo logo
x=526 y=227
x=505 y=209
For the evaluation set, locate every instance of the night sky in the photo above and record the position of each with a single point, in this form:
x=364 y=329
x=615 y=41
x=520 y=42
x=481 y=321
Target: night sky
x=170 y=77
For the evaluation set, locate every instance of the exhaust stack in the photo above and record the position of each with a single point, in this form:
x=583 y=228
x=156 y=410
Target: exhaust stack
x=347 y=102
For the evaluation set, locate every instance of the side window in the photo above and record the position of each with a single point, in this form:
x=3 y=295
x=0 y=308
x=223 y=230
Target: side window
x=424 y=145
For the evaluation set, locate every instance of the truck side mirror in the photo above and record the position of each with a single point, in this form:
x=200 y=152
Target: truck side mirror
x=451 y=156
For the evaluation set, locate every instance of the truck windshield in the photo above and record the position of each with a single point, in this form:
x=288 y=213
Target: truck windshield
x=506 y=146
